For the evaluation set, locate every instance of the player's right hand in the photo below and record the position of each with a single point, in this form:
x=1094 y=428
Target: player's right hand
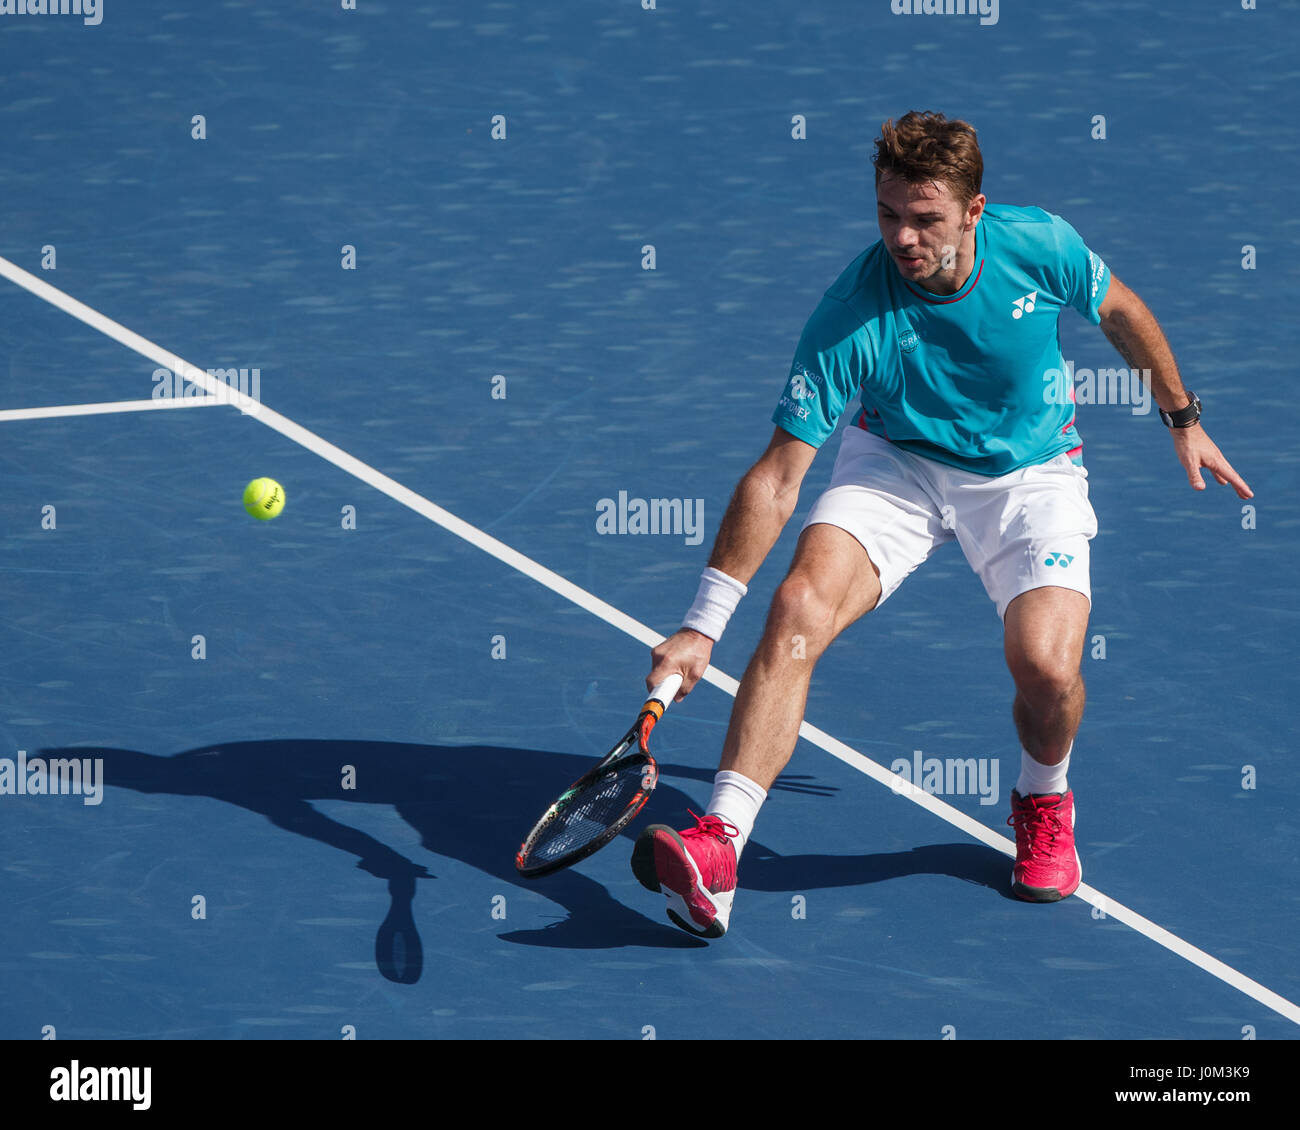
x=685 y=652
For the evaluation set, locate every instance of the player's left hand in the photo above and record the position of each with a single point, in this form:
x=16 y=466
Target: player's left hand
x=1196 y=451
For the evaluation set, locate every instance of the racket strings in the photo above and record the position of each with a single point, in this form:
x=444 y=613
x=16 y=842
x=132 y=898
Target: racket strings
x=589 y=812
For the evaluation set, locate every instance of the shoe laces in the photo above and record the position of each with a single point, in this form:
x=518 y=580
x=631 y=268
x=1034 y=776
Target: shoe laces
x=1034 y=821
x=713 y=826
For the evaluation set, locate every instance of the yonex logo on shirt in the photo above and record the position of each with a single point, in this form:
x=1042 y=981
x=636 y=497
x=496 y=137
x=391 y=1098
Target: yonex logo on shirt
x=1097 y=269
x=801 y=386
x=1025 y=305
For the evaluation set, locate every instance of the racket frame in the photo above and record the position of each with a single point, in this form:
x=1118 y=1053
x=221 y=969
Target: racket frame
x=632 y=746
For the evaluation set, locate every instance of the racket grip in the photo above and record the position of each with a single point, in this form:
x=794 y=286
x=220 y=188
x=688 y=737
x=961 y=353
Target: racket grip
x=664 y=693
x=654 y=708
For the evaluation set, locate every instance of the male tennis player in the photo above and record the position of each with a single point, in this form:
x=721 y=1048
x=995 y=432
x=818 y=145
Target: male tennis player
x=946 y=330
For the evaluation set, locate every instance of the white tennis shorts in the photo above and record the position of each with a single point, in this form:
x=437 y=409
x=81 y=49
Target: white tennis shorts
x=1020 y=531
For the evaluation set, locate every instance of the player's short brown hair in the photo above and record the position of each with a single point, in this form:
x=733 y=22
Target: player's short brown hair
x=924 y=147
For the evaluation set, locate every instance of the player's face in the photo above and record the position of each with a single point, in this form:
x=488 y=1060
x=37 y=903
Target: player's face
x=923 y=227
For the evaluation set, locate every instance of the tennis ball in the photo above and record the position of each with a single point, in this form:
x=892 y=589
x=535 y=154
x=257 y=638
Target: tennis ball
x=264 y=498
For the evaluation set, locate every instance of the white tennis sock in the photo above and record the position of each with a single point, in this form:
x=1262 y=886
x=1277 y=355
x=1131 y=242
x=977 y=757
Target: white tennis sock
x=1036 y=778
x=736 y=799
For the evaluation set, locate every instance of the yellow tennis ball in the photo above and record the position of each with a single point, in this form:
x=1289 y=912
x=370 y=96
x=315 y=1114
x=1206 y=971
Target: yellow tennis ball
x=264 y=498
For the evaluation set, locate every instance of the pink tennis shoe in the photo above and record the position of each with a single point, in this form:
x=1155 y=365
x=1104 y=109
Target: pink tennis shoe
x=1047 y=863
x=695 y=869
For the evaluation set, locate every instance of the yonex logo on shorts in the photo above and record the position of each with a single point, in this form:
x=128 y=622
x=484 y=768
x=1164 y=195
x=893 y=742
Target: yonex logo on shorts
x=1024 y=305
x=1061 y=559
x=91 y=11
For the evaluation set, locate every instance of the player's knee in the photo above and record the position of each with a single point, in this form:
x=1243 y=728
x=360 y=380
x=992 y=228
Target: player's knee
x=801 y=609
x=1044 y=677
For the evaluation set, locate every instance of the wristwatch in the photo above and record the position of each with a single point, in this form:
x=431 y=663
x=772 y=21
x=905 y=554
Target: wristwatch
x=1184 y=417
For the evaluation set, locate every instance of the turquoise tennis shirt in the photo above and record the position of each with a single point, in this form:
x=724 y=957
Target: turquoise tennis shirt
x=970 y=379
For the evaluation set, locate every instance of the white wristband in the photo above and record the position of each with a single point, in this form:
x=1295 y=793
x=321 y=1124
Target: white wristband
x=715 y=601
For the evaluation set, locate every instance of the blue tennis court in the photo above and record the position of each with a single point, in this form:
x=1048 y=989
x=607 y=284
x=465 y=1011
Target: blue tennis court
x=312 y=745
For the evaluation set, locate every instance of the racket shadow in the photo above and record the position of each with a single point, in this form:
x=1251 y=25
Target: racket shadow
x=468 y=803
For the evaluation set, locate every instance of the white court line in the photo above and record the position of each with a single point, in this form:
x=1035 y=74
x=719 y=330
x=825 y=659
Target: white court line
x=633 y=628
x=107 y=407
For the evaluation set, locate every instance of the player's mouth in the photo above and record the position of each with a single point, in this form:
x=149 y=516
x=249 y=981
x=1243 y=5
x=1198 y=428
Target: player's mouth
x=910 y=263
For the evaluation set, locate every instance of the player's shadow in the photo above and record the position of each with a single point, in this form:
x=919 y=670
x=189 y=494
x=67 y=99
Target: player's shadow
x=473 y=804
x=470 y=803
x=973 y=863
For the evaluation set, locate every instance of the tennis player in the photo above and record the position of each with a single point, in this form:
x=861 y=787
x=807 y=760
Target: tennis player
x=945 y=330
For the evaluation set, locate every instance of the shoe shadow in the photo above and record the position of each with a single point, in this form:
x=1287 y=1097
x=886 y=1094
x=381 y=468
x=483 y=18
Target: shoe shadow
x=972 y=863
x=761 y=869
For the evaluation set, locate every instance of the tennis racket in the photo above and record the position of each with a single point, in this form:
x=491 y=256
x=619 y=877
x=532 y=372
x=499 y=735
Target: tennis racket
x=603 y=801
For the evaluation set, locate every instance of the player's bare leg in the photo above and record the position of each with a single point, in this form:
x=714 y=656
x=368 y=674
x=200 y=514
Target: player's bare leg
x=831 y=583
x=1044 y=636
x=1045 y=630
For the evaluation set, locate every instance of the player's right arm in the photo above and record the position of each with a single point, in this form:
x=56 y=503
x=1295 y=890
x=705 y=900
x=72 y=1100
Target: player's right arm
x=761 y=505
x=827 y=371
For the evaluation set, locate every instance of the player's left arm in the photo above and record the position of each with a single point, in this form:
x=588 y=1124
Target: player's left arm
x=1133 y=330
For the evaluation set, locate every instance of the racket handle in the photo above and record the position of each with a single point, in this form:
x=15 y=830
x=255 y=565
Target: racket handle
x=654 y=708
x=665 y=692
